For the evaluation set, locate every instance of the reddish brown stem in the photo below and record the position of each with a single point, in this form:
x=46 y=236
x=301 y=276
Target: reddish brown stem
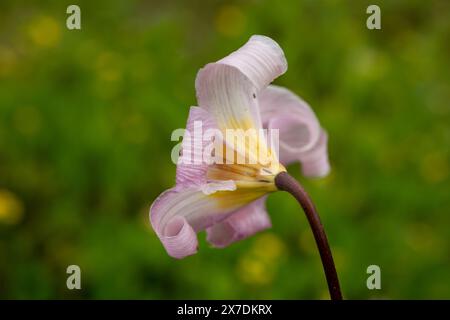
x=287 y=183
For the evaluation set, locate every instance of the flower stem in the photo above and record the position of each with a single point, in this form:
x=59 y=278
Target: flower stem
x=287 y=183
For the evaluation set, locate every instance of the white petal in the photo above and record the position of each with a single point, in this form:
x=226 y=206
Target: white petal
x=241 y=224
x=179 y=213
x=301 y=136
x=229 y=87
x=191 y=167
x=261 y=60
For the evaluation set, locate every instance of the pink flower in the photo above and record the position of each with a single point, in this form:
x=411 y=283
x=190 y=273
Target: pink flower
x=228 y=200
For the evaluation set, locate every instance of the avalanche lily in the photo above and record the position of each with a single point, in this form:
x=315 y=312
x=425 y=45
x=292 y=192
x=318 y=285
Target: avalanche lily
x=228 y=199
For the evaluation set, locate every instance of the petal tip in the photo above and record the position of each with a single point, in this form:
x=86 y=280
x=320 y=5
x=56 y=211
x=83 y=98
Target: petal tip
x=319 y=168
x=276 y=48
x=179 y=239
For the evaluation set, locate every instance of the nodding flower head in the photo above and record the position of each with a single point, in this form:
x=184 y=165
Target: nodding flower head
x=227 y=198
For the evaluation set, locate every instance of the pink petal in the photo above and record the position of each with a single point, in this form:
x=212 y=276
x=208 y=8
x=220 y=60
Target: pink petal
x=228 y=95
x=189 y=170
x=178 y=242
x=315 y=161
x=179 y=239
x=240 y=224
x=261 y=60
x=179 y=213
x=229 y=87
x=301 y=136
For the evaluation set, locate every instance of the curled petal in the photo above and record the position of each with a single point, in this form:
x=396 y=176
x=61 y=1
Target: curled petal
x=229 y=87
x=179 y=213
x=179 y=239
x=301 y=136
x=315 y=161
x=240 y=224
x=191 y=167
x=281 y=109
x=261 y=60
x=229 y=95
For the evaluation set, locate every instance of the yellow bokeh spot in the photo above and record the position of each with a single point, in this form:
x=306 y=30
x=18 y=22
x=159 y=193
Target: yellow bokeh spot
x=369 y=64
x=260 y=265
x=45 y=31
x=434 y=167
x=108 y=67
x=11 y=208
x=422 y=238
x=254 y=271
x=8 y=61
x=268 y=246
x=230 y=21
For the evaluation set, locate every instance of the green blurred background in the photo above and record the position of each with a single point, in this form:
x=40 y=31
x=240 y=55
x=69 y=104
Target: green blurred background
x=85 y=124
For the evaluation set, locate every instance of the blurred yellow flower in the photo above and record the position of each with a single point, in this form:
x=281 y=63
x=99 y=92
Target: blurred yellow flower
x=369 y=64
x=422 y=239
x=268 y=246
x=254 y=271
x=108 y=66
x=260 y=265
x=8 y=61
x=434 y=167
x=45 y=31
x=11 y=208
x=230 y=21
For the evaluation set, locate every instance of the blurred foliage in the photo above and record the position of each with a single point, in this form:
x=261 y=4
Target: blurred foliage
x=85 y=124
